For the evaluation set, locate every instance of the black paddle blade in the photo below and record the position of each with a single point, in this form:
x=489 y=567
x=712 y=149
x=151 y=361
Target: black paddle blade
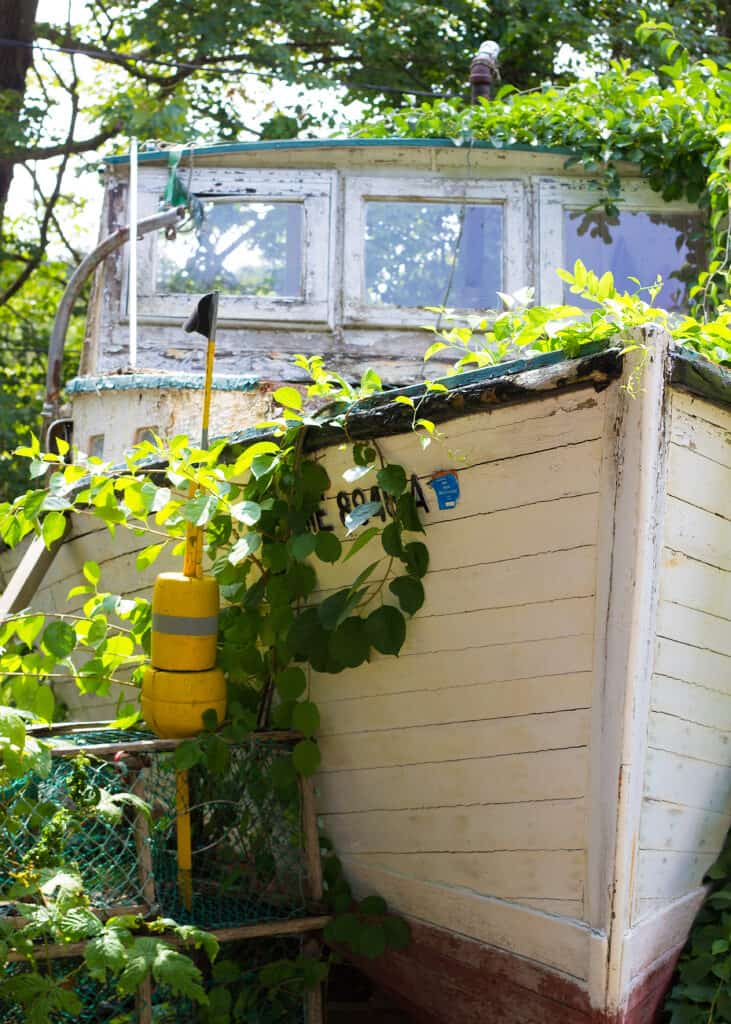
x=203 y=317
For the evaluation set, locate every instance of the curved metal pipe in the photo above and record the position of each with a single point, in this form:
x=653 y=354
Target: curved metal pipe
x=73 y=289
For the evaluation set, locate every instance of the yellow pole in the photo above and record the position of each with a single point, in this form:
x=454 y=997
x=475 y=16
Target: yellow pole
x=185 y=848
x=192 y=566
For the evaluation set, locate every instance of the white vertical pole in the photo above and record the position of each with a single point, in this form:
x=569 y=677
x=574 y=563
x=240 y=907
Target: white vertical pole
x=132 y=291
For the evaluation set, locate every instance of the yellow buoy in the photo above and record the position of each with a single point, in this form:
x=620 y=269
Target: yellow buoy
x=184 y=622
x=173 y=702
x=182 y=682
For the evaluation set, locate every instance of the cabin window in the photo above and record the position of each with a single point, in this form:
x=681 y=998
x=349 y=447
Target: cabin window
x=239 y=248
x=96 y=446
x=264 y=243
x=412 y=243
x=433 y=254
x=648 y=238
x=637 y=245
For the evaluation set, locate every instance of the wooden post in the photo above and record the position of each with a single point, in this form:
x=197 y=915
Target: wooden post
x=142 y=843
x=313 y=999
x=143 y=1002
x=311 y=840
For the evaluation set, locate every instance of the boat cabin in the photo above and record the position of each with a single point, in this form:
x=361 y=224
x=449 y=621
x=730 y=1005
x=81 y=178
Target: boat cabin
x=344 y=248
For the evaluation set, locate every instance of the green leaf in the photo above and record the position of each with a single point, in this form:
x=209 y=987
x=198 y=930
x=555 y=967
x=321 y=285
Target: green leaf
x=303 y=545
x=372 y=905
x=416 y=558
x=392 y=480
x=28 y=628
x=244 y=547
x=407 y=513
x=306 y=718
x=349 y=644
x=372 y=940
x=291 y=683
x=44 y=704
x=92 y=572
x=148 y=555
x=107 y=952
x=53 y=529
x=361 y=514
x=201 y=509
x=306 y=757
x=290 y=398
x=391 y=540
x=328 y=547
x=247 y=512
x=386 y=629
x=360 y=541
x=409 y=591
x=186 y=755
x=59 y=639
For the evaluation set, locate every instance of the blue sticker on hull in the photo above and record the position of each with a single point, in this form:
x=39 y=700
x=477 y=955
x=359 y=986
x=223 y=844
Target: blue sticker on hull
x=446 y=489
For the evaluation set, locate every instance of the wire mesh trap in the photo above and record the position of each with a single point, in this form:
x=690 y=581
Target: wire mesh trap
x=248 y=859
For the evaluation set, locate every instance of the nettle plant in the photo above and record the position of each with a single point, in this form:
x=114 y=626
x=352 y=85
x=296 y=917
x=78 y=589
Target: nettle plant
x=258 y=503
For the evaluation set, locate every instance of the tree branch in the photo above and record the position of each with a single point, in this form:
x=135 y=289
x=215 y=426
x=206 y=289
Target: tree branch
x=66 y=148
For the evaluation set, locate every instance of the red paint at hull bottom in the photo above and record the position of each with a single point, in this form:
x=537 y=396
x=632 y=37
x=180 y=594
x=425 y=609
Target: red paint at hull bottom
x=443 y=978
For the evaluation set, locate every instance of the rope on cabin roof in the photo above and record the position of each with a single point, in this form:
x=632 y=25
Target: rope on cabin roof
x=94 y=54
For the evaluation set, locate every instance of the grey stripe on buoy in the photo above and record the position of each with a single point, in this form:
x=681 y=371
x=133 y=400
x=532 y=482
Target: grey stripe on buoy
x=185 y=625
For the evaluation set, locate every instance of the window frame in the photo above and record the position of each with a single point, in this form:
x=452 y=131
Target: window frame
x=313 y=189
x=510 y=193
x=556 y=195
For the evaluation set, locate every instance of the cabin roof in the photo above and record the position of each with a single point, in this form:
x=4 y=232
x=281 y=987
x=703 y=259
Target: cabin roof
x=300 y=145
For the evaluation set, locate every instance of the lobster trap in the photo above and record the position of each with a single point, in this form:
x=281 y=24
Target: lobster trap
x=256 y=871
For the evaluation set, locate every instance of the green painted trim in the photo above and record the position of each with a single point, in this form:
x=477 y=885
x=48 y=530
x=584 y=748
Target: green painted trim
x=694 y=373
x=156 y=381
x=285 y=145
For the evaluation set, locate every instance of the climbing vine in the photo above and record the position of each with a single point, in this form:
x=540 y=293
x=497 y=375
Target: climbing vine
x=260 y=504
x=672 y=122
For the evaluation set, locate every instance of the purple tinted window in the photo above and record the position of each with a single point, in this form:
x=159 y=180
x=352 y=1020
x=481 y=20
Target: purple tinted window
x=640 y=245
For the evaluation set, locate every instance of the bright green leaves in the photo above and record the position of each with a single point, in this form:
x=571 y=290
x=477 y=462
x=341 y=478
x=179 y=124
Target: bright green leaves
x=148 y=556
x=289 y=398
x=53 y=529
x=246 y=512
x=244 y=547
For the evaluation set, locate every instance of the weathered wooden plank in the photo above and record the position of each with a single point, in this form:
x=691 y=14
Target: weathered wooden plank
x=548 y=775
x=704 y=743
x=698 y=533
x=694 y=628
x=684 y=580
x=568 y=617
x=558 y=423
x=518 y=581
x=663 y=930
x=693 y=664
x=665 y=826
x=691 y=703
x=681 y=780
x=509 y=874
x=700 y=377
x=492 y=700
x=561 y=908
x=560 y=525
x=422 y=745
x=27 y=577
x=547 y=939
x=547 y=825
x=699 y=481
x=701 y=428
x=670 y=874
x=488 y=482
x=455 y=669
